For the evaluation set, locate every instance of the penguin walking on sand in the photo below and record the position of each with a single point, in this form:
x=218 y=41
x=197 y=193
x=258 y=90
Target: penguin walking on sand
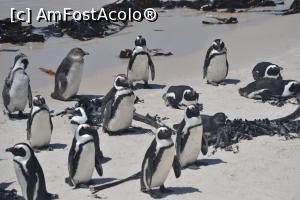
x=68 y=75
x=118 y=106
x=216 y=66
x=29 y=173
x=140 y=63
x=266 y=70
x=180 y=96
x=158 y=161
x=190 y=139
x=266 y=88
x=39 y=124
x=17 y=90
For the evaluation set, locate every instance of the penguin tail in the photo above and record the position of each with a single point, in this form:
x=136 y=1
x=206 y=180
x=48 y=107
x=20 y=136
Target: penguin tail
x=50 y=72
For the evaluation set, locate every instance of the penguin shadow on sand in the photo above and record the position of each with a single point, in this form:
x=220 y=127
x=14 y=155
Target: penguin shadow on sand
x=206 y=162
x=150 y=86
x=132 y=131
x=231 y=81
x=178 y=191
x=100 y=181
x=81 y=97
x=5 y=185
x=56 y=146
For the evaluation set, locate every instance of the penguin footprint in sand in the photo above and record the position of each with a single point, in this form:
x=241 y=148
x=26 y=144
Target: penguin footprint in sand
x=29 y=173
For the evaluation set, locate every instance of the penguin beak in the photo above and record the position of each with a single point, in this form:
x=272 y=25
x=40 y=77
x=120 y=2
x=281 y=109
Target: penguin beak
x=9 y=149
x=86 y=53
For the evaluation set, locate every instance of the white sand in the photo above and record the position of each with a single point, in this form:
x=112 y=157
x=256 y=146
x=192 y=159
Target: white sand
x=266 y=167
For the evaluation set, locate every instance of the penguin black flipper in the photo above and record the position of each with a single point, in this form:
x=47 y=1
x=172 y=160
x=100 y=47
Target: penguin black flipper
x=204 y=145
x=71 y=159
x=179 y=146
x=29 y=121
x=176 y=167
x=227 y=66
x=98 y=153
x=107 y=113
x=31 y=185
x=149 y=160
x=29 y=95
x=151 y=65
x=107 y=98
x=130 y=63
x=206 y=61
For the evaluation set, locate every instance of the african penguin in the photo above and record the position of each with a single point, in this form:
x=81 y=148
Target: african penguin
x=16 y=88
x=211 y=124
x=158 y=161
x=266 y=70
x=84 y=156
x=118 y=106
x=266 y=88
x=140 y=62
x=68 y=75
x=39 y=124
x=29 y=173
x=180 y=96
x=216 y=66
x=190 y=139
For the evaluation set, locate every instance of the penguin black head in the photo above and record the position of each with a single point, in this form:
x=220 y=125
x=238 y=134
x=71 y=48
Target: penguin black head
x=140 y=41
x=190 y=95
x=192 y=111
x=77 y=53
x=21 y=149
x=164 y=133
x=78 y=116
x=220 y=118
x=218 y=45
x=295 y=88
x=21 y=61
x=122 y=82
x=38 y=100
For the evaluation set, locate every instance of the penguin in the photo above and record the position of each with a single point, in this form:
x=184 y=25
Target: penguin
x=140 y=62
x=158 y=161
x=180 y=96
x=118 y=106
x=84 y=156
x=190 y=139
x=266 y=70
x=17 y=90
x=216 y=66
x=266 y=88
x=211 y=124
x=39 y=124
x=29 y=173
x=68 y=75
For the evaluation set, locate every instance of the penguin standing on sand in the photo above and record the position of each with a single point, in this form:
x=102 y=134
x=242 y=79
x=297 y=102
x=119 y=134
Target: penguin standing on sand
x=266 y=70
x=216 y=66
x=266 y=88
x=180 y=96
x=84 y=154
x=118 y=106
x=17 y=88
x=190 y=139
x=68 y=75
x=39 y=124
x=29 y=173
x=140 y=63
x=157 y=163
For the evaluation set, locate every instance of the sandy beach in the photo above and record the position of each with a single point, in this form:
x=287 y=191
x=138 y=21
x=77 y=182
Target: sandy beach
x=265 y=168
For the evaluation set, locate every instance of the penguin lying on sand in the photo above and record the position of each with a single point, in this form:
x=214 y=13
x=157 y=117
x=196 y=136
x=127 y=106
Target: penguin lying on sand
x=158 y=161
x=39 y=124
x=180 y=96
x=266 y=70
x=29 y=173
x=267 y=88
x=16 y=88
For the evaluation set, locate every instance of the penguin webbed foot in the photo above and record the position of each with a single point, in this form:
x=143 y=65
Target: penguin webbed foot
x=163 y=189
x=155 y=194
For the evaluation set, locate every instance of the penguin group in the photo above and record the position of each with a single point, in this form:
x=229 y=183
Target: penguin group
x=117 y=110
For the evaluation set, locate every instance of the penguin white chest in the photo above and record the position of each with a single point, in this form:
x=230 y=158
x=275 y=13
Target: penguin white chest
x=140 y=69
x=86 y=163
x=18 y=92
x=123 y=114
x=192 y=147
x=163 y=168
x=73 y=80
x=21 y=179
x=217 y=68
x=40 y=134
